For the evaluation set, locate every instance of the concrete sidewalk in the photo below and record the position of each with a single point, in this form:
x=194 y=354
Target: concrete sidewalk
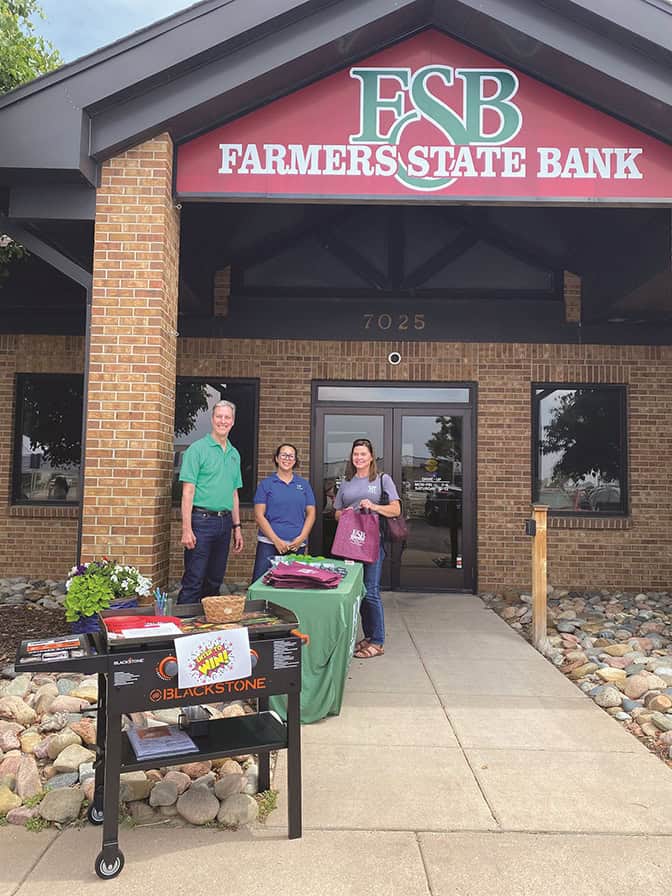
x=462 y=763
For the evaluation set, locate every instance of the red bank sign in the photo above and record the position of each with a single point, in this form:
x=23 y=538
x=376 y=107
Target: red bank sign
x=428 y=118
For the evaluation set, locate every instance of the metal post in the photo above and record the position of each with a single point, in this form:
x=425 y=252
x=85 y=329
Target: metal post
x=85 y=417
x=539 y=578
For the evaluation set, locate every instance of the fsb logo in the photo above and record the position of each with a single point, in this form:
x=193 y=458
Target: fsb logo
x=482 y=113
x=357 y=537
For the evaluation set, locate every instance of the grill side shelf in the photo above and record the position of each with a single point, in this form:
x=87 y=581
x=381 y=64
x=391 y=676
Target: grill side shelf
x=62 y=653
x=259 y=733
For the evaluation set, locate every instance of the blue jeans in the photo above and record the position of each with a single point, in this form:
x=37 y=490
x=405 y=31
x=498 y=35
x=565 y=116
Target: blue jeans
x=371 y=610
x=262 y=560
x=205 y=564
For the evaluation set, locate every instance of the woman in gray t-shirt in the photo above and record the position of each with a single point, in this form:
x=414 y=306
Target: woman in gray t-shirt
x=362 y=489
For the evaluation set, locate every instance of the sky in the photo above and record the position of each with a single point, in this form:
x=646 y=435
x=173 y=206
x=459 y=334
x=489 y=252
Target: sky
x=77 y=27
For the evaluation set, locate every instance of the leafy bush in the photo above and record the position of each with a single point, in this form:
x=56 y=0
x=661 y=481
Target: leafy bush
x=91 y=587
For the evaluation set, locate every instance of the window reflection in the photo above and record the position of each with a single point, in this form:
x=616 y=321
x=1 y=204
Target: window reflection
x=431 y=464
x=580 y=448
x=48 y=438
x=194 y=401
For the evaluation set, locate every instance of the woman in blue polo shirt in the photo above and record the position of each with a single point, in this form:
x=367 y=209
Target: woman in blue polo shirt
x=284 y=510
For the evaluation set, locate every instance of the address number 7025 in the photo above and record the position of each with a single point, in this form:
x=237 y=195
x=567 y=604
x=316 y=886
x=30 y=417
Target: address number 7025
x=396 y=322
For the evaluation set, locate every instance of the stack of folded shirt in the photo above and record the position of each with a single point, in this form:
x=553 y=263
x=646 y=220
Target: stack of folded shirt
x=301 y=575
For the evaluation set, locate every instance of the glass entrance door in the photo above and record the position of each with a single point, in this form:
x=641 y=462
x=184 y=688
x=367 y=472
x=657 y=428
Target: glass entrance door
x=337 y=430
x=433 y=451
x=427 y=451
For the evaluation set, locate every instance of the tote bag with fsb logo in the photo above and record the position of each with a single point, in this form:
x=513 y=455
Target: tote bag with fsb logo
x=357 y=536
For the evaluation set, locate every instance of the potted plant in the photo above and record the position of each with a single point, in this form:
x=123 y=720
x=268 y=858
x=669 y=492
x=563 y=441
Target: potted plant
x=92 y=587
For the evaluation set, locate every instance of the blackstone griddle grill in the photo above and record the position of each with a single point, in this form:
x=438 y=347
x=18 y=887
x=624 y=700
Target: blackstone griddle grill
x=141 y=674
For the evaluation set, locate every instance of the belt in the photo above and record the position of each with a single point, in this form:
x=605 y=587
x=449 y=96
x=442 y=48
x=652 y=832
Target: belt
x=210 y=512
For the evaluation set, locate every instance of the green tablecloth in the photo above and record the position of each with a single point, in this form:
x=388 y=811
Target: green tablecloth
x=330 y=617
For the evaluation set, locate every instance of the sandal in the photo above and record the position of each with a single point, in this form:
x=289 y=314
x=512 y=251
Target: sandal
x=360 y=645
x=369 y=651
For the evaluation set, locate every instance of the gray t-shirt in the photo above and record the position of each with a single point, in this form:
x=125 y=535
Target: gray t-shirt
x=359 y=487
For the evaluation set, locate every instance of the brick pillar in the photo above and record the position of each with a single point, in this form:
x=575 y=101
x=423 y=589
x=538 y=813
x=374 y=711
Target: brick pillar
x=129 y=438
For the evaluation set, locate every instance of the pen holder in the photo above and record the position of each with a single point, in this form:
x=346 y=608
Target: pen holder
x=163 y=608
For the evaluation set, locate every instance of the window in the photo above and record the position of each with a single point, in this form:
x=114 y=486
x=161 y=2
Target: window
x=194 y=401
x=48 y=438
x=580 y=448
x=396 y=394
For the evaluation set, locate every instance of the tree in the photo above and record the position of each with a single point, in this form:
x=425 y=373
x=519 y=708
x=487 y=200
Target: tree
x=23 y=56
x=584 y=429
x=446 y=442
x=52 y=420
x=191 y=399
x=23 y=53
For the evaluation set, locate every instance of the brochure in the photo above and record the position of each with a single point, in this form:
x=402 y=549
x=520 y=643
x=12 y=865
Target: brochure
x=159 y=740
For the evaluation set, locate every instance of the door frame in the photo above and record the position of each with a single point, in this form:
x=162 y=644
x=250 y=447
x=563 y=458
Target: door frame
x=468 y=409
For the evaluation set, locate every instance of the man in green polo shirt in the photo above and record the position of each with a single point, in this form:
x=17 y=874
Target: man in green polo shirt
x=210 y=477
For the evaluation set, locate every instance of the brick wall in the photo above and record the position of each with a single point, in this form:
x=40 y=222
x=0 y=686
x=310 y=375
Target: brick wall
x=632 y=553
x=131 y=395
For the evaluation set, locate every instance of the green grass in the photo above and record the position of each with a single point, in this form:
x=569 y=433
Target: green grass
x=37 y=824
x=267 y=802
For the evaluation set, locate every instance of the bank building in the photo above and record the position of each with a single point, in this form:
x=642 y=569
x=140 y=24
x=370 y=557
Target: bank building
x=441 y=226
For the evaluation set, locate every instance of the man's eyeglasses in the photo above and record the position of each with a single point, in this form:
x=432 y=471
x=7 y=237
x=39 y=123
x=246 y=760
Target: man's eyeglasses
x=285 y=456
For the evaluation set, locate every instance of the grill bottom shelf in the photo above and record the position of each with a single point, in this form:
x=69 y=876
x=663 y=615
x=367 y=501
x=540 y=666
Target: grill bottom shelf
x=258 y=733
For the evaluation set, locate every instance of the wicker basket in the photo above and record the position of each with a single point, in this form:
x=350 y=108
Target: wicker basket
x=224 y=607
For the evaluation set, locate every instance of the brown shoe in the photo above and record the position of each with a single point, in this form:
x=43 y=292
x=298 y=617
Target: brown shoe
x=371 y=650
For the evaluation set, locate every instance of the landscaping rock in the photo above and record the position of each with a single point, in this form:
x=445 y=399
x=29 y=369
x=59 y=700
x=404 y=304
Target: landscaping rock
x=62 y=805
x=238 y=810
x=22 y=814
x=198 y=805
x=67 y=779
x=16 y=710
x=179 y=779
x=9 y=800
x=72 y=757
x=163 y=794
x=196 y=769
x=28 y=782
x=134 y=786
x=65 y=738
x=228 y=785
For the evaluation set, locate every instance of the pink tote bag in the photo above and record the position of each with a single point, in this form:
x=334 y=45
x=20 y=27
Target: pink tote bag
x=357 y=536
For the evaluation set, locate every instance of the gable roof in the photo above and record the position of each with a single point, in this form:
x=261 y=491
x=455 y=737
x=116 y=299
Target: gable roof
x=221 y=58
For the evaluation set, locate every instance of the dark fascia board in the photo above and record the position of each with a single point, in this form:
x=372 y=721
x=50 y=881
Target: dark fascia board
x=632 y=22
x=72 y=202
x=47 y=133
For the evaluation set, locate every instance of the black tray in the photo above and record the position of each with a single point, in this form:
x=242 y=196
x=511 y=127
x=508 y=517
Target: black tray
x=287 y=621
